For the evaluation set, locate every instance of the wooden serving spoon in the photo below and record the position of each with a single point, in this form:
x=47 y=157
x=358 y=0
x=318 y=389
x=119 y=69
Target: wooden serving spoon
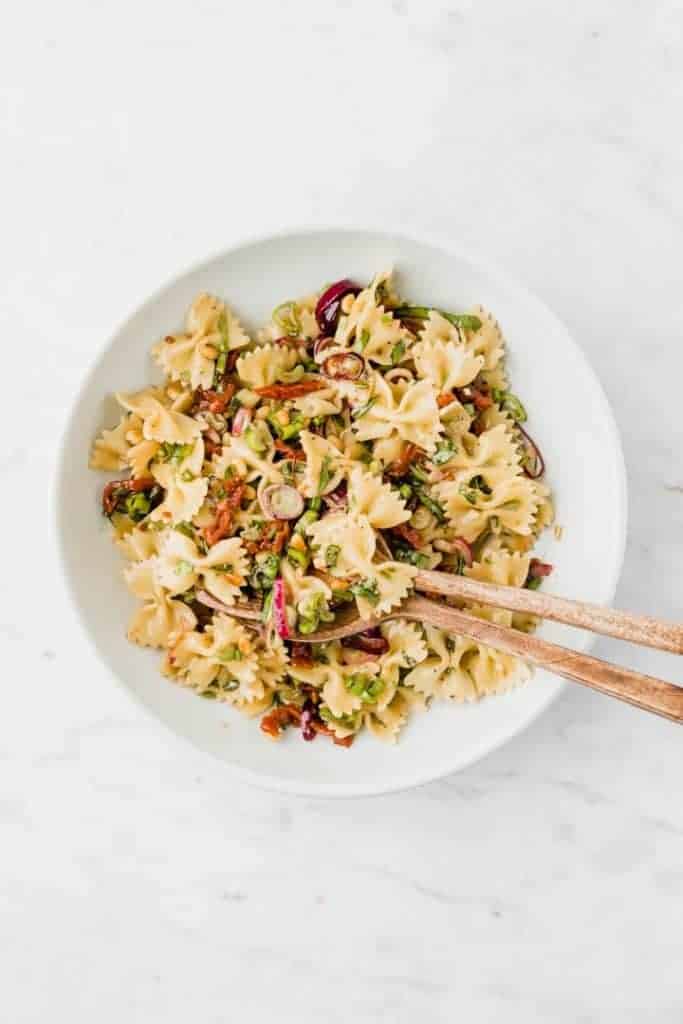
x=645 y=692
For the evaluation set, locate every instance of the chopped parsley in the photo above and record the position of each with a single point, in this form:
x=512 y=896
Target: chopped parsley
x=398 y=352
x=361 y=410
x=331 y=555
x=174 y=453
x=366 y=589
x=444 y=452
x=362 y=685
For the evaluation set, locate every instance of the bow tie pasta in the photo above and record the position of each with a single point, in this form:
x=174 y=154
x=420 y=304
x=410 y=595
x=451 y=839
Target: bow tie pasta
x=310 y=474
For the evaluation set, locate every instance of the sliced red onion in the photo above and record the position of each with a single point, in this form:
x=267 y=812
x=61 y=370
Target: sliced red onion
x=344 y=366
x=463 y=548
x=329 y=303
x=534 y=465
x=241 y=421
x=280 y=501
x=338 y=497
x=280 y=609
x=320 y=346
x=307 y=723
x=539 y=569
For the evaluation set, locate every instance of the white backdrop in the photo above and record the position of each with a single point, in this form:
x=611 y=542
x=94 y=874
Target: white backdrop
x=138 y=883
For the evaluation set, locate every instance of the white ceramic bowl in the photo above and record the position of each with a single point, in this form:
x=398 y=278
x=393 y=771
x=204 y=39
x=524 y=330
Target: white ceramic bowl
x=569 y=418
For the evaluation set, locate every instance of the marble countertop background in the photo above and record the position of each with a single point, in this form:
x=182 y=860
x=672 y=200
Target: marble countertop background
x=138 y=882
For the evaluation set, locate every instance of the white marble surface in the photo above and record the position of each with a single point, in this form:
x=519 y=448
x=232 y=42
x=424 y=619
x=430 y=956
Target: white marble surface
x=137 y=882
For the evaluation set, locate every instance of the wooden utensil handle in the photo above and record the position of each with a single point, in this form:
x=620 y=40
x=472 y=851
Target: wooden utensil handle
x=643 y=691
x=639 y=629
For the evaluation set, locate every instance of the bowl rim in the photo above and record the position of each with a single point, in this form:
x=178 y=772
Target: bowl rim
x=477 y=261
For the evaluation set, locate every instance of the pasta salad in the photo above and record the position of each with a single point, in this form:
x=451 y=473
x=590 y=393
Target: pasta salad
x=316 y=465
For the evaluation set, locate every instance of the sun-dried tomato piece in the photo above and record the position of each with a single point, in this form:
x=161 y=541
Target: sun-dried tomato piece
x=294 y=454
x=279 y=718
x=214 y=401
x=283 y=391
x=222 y=524
x=338 y=741
x=110 y=496
x=401 y=465
x=478 y=397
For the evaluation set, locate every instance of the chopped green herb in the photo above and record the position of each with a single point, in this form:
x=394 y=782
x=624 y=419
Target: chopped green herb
x=286 y=317
x=256 y=436
x=412 y=557
x=288 y=431
x=363 y=339
x=332 y=552
x=313 y=611
x=266 y=568
x=345 y=721
x=292 y=376
x=469 y=408
x=361 y=410
x=444 y=452
x=298 y=557
x=309 y=516
x=138 y=505
x=510 y=403
x=365 y=686
x=418 y=473
x=465 y=320
x=513 y=405
x=479 y=483
x=267 y=606
x=431 y=504
x=367 y=589
x=187 y=529
x=175 y=453
x=397 y=352
x=229 y=653
x=406 y=492
x=187 y=476
x=325 y=474
x=183 y=567
x=533 y=583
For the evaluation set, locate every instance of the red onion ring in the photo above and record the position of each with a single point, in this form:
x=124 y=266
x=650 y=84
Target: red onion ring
x=463 y=548
x=338 y=497
x=533 y=452
x=344 y=366
x=241 y=421
x=319 y=346
x=329 y=303
x=280 y=501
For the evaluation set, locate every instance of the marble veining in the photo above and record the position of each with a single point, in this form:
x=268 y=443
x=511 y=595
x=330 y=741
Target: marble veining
x=137 y=881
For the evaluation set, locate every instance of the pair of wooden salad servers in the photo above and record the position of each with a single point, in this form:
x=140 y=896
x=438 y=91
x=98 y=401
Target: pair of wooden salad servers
x=642 y=691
